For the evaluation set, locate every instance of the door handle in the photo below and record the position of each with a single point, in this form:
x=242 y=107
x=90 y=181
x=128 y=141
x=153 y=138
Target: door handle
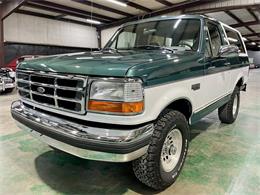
x=227 y=63
x=211 y=67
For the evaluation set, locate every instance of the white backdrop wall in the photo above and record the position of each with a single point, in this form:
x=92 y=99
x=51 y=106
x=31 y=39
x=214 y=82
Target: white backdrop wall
x=255 y=55
x=35 y=30
x=107 y=34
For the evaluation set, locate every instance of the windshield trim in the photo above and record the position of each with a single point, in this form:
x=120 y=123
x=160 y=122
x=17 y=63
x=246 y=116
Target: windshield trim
x=108 y=44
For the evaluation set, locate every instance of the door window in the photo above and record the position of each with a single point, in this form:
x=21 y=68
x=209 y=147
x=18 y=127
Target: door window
x=215 y=38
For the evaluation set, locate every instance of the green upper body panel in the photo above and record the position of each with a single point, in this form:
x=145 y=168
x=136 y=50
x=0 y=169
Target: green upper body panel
x=147 y=65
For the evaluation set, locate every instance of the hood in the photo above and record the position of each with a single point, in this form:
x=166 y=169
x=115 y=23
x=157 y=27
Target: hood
x=117 y=64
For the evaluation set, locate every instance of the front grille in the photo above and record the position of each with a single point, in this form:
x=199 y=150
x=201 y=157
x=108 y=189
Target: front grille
x=63 y=92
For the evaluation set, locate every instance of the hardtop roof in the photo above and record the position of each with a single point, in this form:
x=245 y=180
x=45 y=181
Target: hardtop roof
x=188 y=16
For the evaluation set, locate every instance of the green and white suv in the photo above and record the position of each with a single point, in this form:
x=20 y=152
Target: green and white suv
x=135 y=99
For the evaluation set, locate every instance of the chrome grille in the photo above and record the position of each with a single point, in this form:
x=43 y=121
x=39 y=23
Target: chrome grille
x=64 y=92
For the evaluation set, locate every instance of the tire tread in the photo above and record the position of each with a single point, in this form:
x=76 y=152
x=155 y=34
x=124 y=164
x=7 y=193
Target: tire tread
x=225 y=111
x=145 y=167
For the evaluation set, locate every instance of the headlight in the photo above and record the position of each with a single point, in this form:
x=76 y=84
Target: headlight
x=116 y=96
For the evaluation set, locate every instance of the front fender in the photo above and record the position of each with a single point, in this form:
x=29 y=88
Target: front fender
x=158 y=98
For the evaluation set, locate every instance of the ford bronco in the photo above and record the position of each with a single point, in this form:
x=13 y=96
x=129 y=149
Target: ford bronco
x=135 y=99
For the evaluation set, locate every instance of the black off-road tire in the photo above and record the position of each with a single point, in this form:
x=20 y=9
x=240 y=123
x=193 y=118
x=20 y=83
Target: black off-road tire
x=148 y=168
x=225 y=112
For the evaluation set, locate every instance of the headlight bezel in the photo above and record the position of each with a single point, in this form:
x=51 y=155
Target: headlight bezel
x=118 y=80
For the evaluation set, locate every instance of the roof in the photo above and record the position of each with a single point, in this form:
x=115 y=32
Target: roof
x=189 y=16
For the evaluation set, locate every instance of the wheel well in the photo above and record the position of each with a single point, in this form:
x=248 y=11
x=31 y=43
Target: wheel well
x=182 y=105
x=240 y=82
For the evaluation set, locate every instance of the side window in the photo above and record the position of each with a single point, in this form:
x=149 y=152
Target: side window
x=234 y=39
x=215 y=38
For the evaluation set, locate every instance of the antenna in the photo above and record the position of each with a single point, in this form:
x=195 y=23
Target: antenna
x=91 y=17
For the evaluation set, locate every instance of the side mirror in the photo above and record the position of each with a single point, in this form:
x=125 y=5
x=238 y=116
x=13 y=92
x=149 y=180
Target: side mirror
x=228 y=50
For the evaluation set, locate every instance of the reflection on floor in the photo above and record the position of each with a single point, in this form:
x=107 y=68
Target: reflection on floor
x=222 y=159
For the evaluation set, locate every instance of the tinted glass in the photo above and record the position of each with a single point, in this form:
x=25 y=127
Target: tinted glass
x=180 y=34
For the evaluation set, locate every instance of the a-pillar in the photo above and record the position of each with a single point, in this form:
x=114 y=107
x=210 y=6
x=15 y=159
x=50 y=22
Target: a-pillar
x=1 y=39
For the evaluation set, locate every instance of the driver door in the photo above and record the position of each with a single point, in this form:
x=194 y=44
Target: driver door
x=216 y=68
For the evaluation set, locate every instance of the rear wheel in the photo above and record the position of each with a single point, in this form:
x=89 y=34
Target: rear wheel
x=161 y=165
x=228 y=112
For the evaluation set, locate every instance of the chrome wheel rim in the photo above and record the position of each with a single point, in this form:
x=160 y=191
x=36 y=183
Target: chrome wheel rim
x=234 y=111
x=171 y=150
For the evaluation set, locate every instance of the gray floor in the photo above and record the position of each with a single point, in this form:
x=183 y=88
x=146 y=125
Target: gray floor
x=222 y=159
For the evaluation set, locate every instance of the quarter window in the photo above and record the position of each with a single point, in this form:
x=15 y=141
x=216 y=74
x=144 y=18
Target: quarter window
x=234 y=39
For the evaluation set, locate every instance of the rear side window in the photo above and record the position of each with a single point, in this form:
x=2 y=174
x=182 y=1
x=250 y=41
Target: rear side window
x=234 y=39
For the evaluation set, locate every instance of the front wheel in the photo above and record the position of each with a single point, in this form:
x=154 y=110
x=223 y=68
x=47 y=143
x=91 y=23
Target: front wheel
x=161 y=165
x=228 y=112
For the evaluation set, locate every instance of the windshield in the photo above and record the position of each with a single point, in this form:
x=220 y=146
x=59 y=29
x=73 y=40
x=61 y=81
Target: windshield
x=176 y=34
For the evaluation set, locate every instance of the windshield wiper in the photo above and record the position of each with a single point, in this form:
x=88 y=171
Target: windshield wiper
x=169 y=49
x=109 y=49
x=147 y=47
x=155 y=47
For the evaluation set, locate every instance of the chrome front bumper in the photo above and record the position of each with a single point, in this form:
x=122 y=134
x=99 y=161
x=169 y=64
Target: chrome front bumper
x=9 y=85
x=80 y=139
x=4 y=86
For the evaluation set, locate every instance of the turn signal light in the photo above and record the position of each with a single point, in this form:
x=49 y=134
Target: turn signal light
x=116 y=107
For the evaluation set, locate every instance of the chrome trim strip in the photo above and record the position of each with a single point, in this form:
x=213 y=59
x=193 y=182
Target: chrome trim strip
x=55 y=93
x=23 y=81
x=69 y=88
x=50 y=96
x=68 y=99
x=83 y=153
x=22 y=89
x=30 y=92
x=51 y=86
x=53 y=74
